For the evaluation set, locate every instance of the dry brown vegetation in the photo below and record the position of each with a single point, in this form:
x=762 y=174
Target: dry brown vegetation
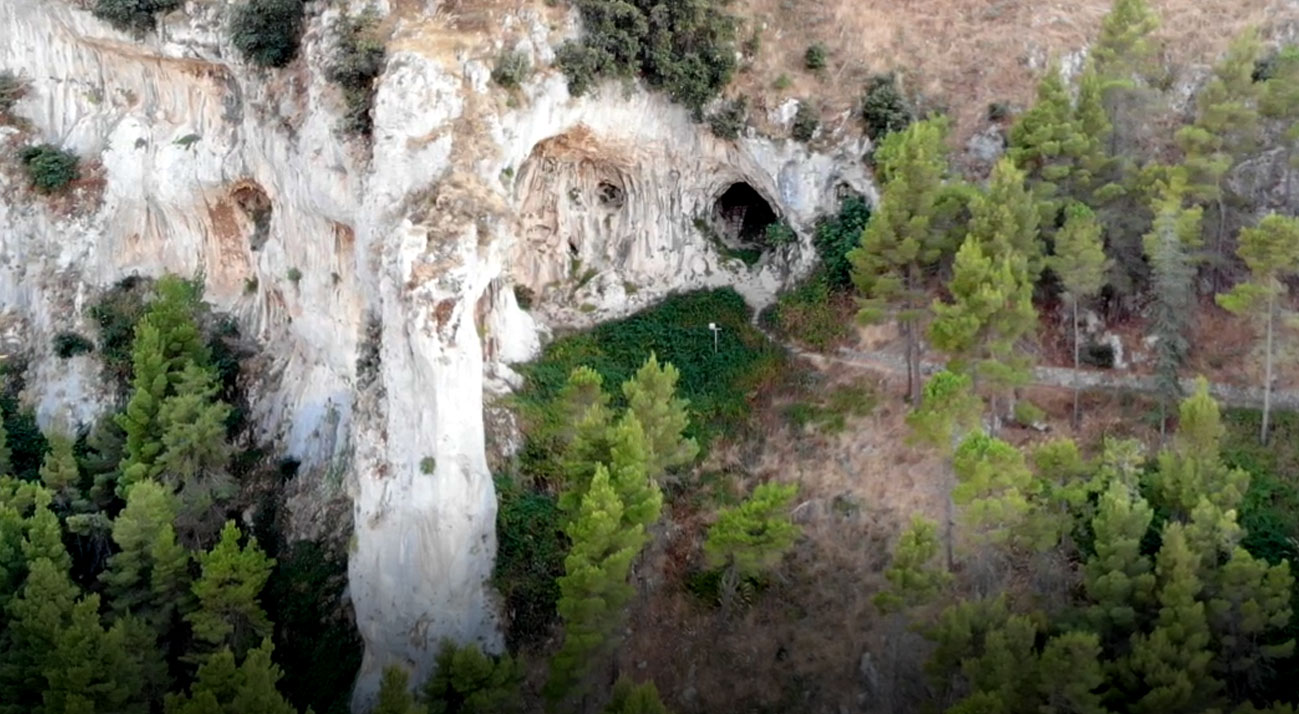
x=963 y=55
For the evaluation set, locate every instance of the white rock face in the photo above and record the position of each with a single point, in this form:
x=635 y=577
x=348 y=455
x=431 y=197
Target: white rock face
x=467 y=194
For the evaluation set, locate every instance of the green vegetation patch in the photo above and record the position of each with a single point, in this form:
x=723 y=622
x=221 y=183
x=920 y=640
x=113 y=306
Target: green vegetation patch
x=685 y=48
x=50 y=168
x=718 y=384
x=137 y=16
x=358 y=59
x=530 y=551
x=267 y=32
x=1270 y=512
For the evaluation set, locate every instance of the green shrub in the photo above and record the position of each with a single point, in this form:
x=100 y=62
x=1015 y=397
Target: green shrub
x=27 y=445
x=885 y=109
x=250 y=285
x=133 y=15
x=806 y=122
x=358 y=59
x=1270 y=511
x=816 y=57
x=428 y=465
x=511 y=69
x=294 y=275
x=11 y=90
x=730 y=119
x=999 y=111
x=50 y=168
x=1027 y=413
x=71 y=344
x=267 y=32
x=685 y=48
x=836 y=236
x=782 y=82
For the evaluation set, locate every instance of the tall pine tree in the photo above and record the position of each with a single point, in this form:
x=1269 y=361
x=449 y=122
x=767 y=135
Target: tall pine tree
x=904 y=237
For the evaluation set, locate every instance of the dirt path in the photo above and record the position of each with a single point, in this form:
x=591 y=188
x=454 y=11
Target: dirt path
x=1062 y=377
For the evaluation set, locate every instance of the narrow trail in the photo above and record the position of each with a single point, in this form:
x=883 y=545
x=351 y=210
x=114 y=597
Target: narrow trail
x=1060 y=377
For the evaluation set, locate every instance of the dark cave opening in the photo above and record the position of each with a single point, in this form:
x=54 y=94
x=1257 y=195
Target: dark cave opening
x=742 y=215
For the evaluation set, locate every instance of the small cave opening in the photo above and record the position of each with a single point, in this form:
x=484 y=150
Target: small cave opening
x=256 y=205
x=742 y=215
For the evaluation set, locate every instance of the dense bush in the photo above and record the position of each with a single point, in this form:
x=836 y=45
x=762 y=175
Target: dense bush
x=816 y=57
x=27 y=445
x=885 y=109
x=810 y=314
x=267 y=32
x=511 y=69
x=685 y=48
x=11 y=90
x=806 y=122
x=836 y=236
x=1270 y=512
x=50 y=168
x=71 y=344
x=133 y=15
x=358 y=59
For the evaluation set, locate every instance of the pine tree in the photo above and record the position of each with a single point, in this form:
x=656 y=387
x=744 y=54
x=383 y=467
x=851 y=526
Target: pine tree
x=913 y=577
x=629 y=467
x=1006 y=666
x=903 y=237
x=466 y=681
x=651 y=398
x=1271 y=252
x=1247 y=611
x=991 y=310
x=593 y=589
x=1225 y=128
x=195 y=453
x=949 y=411
x=1193 y=468
x=1046 y=140
x=1081 y=265
x=631 y=698
x=166 y=340
x=222 y=688
x=394 y=693
x=994 y=485
x=1121 y=53
x=1118 y=578
x=36 y=616
x=1005 y=219
x=92 y=669
x=752 y=538
x=1175 y=230
x=1173 y=661
x=1070 y=674
x=229 y=613
x=59 y=472
x=149 y=576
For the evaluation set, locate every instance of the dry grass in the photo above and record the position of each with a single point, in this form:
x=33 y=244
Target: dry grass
x=800 y=643
x=962 y=54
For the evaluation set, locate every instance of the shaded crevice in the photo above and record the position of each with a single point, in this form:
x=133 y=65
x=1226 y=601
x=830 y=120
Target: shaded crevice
x=256 y=205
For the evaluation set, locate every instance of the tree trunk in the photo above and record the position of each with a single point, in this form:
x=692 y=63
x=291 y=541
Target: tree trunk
x=1218 y=240
x=1267 y=370
x=913 y=339
x=1076 y=362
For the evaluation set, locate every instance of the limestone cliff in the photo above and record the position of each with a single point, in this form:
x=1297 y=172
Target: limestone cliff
x=408 y=252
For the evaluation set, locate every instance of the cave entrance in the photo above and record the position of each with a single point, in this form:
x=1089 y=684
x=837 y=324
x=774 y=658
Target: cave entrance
x=741 y=216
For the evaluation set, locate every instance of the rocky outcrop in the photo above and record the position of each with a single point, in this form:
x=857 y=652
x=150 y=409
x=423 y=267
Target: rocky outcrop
x=408 y=254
